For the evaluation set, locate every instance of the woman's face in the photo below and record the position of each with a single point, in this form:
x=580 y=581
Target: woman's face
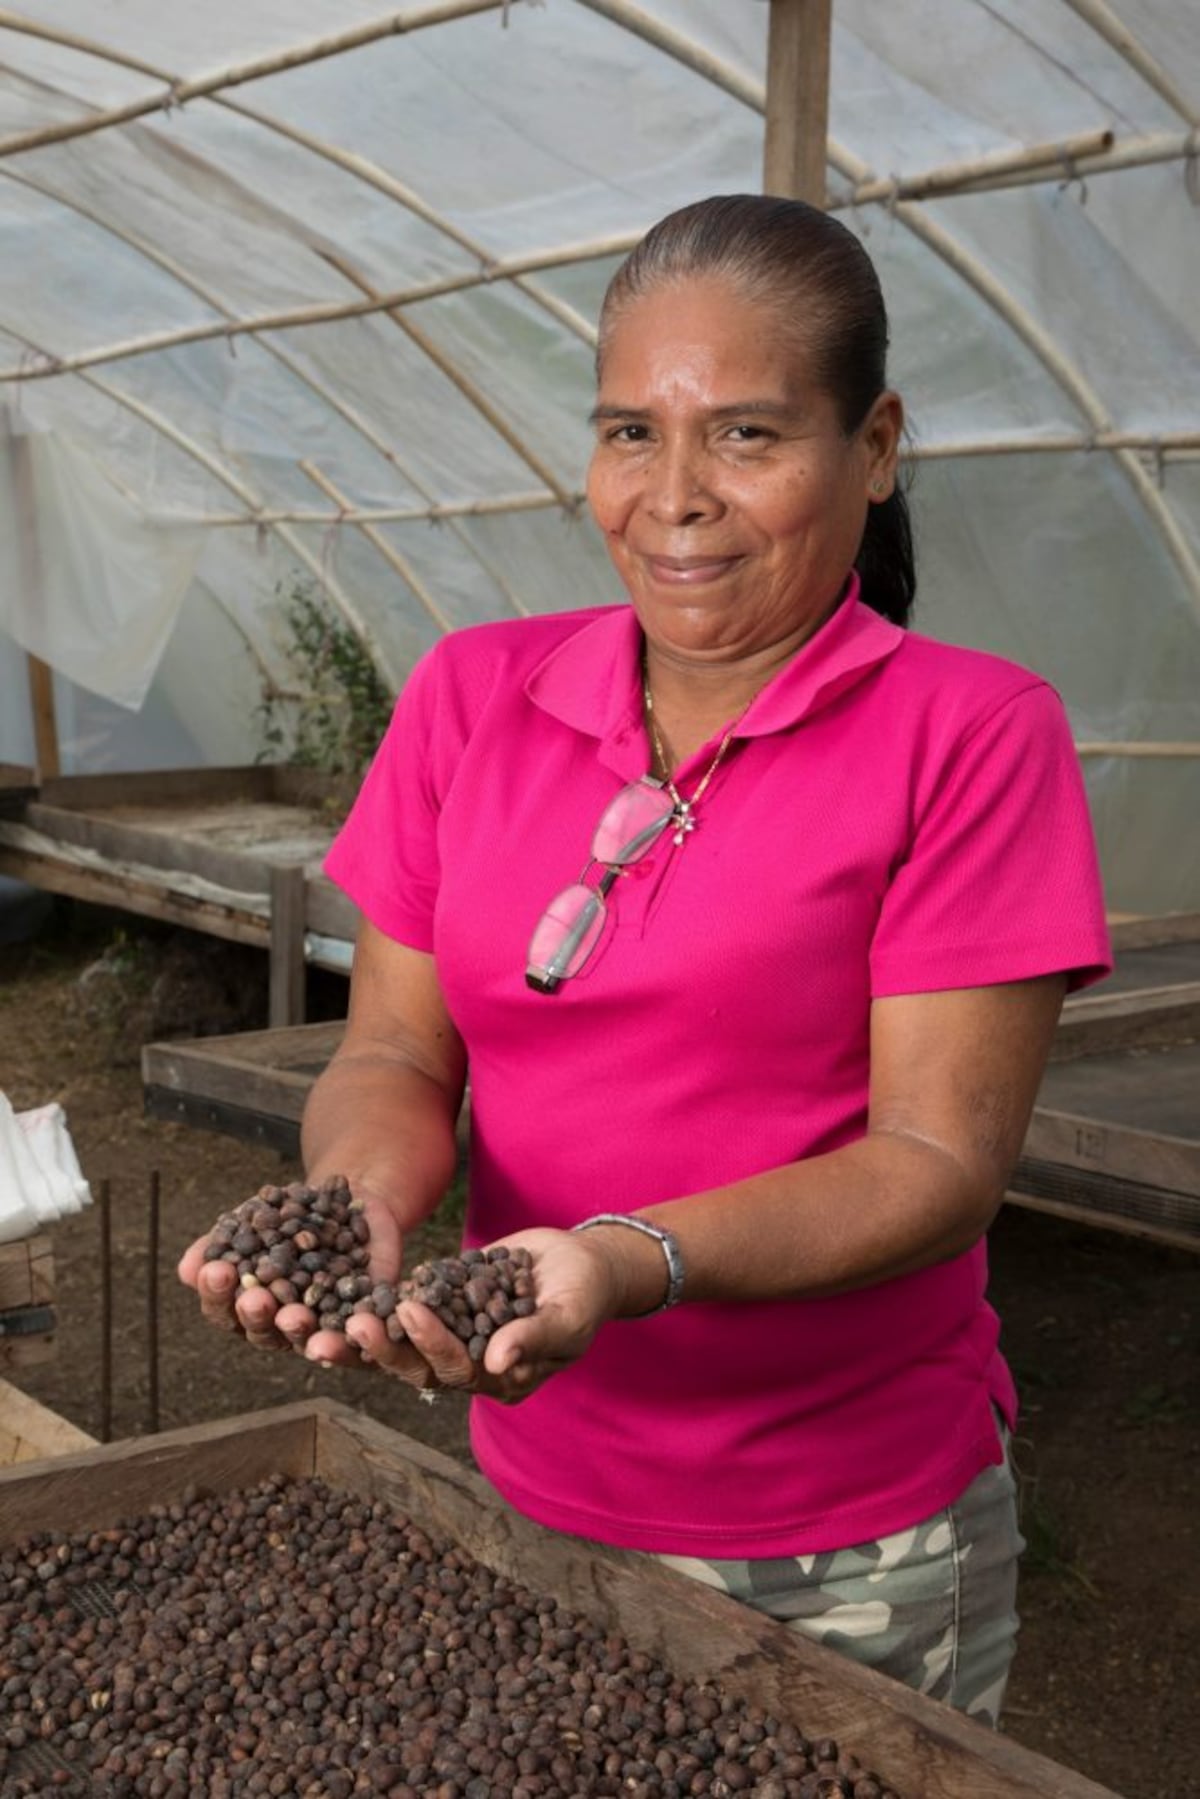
x=731 y=501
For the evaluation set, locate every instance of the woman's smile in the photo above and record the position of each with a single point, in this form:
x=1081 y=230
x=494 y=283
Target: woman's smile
x=688 y=571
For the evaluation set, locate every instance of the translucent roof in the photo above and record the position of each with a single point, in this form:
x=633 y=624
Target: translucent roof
x=304 y=291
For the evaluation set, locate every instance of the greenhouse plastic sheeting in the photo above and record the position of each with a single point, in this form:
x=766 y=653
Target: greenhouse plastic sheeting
x=276 y=321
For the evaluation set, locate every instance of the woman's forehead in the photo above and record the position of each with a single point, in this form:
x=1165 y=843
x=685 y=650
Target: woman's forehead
x=704 y=338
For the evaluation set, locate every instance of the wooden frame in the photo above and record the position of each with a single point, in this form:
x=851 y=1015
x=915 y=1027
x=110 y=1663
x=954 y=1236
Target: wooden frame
x=30 y=1432
x=18 y=785
x=927 y=1750
x=27 y=1318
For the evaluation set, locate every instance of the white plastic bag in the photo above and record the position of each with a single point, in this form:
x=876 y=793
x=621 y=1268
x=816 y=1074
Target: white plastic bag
x=41 y=1181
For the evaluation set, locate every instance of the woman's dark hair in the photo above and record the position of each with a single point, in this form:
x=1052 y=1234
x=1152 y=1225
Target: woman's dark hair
x=822 y=283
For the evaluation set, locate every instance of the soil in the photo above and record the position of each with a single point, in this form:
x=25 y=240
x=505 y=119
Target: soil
x=1102 y=1330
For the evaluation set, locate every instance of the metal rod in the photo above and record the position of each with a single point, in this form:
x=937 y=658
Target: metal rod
x=106 y=1310
x=152 y=1235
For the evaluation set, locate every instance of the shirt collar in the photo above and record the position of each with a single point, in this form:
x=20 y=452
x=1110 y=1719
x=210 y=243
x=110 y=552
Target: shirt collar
x=592 y=681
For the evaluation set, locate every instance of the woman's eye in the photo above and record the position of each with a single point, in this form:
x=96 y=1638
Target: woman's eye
x=628 y=434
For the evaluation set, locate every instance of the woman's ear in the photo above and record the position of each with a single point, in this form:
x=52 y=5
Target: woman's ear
x=880 y=435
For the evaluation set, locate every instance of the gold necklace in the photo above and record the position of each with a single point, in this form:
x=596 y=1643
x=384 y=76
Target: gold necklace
x=684 y=814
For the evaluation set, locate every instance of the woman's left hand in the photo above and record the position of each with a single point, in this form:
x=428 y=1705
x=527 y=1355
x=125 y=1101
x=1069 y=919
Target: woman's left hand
x=577 y=1289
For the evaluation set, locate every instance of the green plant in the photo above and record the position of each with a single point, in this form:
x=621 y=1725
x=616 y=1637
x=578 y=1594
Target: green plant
x=337 y=712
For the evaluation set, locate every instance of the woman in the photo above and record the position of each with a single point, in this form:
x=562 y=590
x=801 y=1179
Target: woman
x=783 y=1034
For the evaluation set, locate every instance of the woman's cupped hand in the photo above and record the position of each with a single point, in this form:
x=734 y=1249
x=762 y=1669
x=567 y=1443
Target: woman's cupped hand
x=574 y=1287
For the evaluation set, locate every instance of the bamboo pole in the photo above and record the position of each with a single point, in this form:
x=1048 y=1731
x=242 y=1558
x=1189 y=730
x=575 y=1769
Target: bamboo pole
x=178 y=93
x=447 y=513
x=1167 y=444
x=1101 y=18
x=330 y=312
x=1126 y=153
x=1061 y=156
x=794 y=144
x=1144 y=748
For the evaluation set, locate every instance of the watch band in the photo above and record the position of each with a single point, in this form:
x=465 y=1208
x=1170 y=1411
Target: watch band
x=666 y=1241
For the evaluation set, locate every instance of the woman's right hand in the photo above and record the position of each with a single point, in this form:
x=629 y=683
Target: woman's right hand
x=255 y=1315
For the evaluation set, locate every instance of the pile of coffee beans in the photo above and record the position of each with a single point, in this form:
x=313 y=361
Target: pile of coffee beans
x=291 y=1640
x=310 y=1246
x=306 y=1245
x=473 y=1294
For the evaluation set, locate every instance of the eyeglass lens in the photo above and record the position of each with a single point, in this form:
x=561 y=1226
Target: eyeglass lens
x=568 y=930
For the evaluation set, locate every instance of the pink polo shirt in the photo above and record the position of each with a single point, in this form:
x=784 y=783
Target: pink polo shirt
x=893 y=816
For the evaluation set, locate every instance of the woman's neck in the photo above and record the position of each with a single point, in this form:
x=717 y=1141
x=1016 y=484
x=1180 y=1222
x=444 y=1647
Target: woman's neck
x=695 y=701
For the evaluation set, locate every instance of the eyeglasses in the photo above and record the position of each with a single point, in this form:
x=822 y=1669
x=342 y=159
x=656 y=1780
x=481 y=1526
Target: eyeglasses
x=569 y=929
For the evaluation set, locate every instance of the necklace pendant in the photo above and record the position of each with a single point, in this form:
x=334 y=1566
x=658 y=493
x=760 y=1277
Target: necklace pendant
x=684 y=820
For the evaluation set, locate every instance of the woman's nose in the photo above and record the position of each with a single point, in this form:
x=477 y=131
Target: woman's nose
x=677 y=490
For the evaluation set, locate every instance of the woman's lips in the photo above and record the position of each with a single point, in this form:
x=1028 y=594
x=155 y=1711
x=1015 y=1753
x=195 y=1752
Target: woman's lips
x=688 y=571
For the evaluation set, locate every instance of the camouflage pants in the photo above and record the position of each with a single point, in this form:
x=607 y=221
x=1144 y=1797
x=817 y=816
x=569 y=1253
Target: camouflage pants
x=934 y=1606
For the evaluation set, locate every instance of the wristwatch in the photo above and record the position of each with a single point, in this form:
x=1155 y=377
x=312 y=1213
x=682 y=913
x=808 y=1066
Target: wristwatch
x=666 y=1241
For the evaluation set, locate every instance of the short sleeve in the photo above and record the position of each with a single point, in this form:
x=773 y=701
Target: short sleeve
x=385 y=857
x=1001 y=881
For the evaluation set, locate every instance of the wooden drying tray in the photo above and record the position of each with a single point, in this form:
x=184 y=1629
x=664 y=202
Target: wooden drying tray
x=1115 y=1136
x=1114 y=1142
x=927 y=1750
x=233 y=852
x=1152 y=998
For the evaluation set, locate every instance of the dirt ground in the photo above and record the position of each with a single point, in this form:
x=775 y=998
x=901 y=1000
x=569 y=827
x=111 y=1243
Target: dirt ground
x=1103 y=1332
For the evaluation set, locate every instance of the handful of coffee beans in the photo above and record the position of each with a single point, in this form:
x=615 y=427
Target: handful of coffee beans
x=310 y=1246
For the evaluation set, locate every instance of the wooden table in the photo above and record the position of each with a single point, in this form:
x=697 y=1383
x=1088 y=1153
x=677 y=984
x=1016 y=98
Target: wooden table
x=927 y=1750
x=233 y=852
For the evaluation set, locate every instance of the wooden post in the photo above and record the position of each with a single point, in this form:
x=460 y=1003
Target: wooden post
x=45 y=726
x=41 y=677
x=288 y=894
x=794 y=149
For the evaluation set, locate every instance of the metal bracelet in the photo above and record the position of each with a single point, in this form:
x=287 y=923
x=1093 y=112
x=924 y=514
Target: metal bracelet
x=666 y=1241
